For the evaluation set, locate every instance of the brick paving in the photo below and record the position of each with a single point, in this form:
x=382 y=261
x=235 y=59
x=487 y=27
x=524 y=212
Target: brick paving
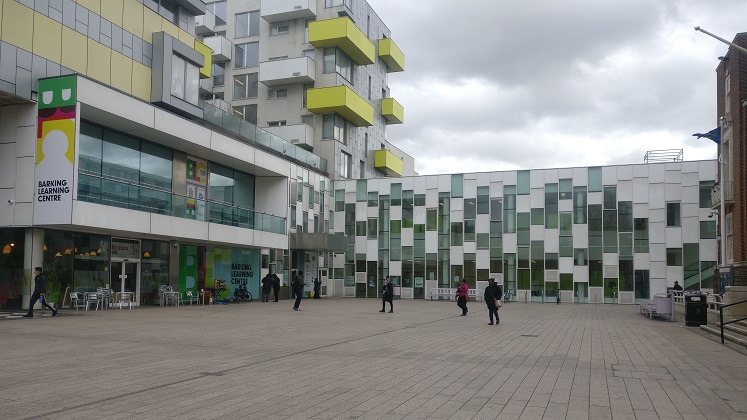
x=342 y=359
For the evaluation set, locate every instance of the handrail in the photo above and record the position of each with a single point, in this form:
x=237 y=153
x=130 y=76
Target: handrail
x=721 y=317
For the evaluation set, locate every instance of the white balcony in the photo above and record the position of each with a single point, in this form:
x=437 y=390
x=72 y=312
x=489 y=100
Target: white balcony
x=284 y=72
x=728 y=192
x=205 y=24
x=221 y=46
x=281 y=10
x=300 y=134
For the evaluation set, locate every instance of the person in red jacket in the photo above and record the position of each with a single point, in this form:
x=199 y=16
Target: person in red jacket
x=462 y=296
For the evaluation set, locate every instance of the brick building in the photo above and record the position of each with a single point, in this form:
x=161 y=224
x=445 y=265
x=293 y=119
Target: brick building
x=731 y=76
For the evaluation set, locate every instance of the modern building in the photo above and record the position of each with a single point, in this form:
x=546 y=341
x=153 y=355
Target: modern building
x=114 y=173
x=314 y=72
x=612 y=234
x=730 y=196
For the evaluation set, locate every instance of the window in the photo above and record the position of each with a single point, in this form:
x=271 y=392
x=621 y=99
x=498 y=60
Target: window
x=165 y=8
x=673 y=214
x=674 y=256
x=219 y=10
x=365 y=150
x=640 y=235
x=276 y=124
x=245 y=86
x=335 y=60
x=334 y=3
x=306 y=88
x=281 y=28
x=246 y=112
x=369 y=88
x=334 y=127
x=306 y=30
x=246 y=55
x=185 y=79
x=708 y=230
x=310 y=54
x=704 y=192
x=362 y=170
x=345 y=162
x=247 y=24
x=277 y=93
x=219 y=74
x=308 y=120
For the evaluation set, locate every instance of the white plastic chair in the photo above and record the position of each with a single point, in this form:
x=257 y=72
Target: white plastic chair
x=125 y=298
x=77 y=301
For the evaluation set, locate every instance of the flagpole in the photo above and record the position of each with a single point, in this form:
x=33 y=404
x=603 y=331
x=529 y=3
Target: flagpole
x=739 y=47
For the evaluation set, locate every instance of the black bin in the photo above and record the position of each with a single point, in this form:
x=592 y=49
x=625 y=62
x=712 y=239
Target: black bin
x=696 y=310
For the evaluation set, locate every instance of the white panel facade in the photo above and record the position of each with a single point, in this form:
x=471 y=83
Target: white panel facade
x=674 y=237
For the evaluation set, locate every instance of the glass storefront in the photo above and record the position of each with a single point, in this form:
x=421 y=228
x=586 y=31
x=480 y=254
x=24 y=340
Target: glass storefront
x=12 y=275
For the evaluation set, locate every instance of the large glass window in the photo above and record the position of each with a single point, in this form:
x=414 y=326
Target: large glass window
x=345 y=165
x=247 y=24
x=219 y=10
x=335 y=60
x=245 y=86
x=640 y=235
x=246 y=112
x=579 y=205
x=114 y=169
x=483 y=200
x=219 y=74
x=185 y=80
x=522 y=182
x=673 y=214
x=704 y=189
x=595 y=179
x=551 y=206
x=708 y=230
x=334 y=127
x=246 y=55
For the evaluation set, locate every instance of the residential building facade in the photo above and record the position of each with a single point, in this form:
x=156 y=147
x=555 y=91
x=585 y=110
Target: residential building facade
x=314 y=72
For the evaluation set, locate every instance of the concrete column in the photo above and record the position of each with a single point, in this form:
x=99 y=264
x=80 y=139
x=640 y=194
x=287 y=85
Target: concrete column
x=33 y=256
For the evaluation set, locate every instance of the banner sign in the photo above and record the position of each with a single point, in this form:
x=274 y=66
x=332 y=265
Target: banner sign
x=55 y=151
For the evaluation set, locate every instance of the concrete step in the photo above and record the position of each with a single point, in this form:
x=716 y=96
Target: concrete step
x=734 y=337
x=736 y=328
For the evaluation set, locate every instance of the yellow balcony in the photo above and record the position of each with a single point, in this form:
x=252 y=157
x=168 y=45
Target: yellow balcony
x=388 y=162
x=392 y=55
x=392 y=111
x=342 y=100
x=342 y=32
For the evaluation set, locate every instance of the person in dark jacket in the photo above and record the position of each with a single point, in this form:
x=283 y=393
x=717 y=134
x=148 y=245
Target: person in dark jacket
x=461 y=293
x=275 y=286
x=387 y=295
x=40 y=288
x=317 y=288
x=266 y=287
x=297 y=286
x=493 y=293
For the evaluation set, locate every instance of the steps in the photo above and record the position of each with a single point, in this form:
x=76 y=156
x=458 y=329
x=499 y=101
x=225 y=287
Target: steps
x=735 y=332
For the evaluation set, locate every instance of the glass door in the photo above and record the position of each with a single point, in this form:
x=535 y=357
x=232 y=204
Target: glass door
x=125 y=277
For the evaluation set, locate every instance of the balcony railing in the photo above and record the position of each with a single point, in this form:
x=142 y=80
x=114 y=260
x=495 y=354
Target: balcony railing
x=94 y=188
x=728 y=187
x=250 y=134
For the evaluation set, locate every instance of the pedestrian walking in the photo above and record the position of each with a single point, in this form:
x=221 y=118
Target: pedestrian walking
x=387 y=295
x=317 y=288
x=557 y=298
x=493 y=295
x=275 y=286
x=297 y=286
x=40 y=288
x=462 y=293
x=266 y=287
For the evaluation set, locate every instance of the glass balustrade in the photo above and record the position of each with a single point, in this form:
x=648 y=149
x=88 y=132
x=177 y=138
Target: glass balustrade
x=129 y=195
x=254 y=135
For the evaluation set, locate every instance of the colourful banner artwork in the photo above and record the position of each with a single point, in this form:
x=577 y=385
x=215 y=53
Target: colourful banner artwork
x=197 y=170
x=55 y=150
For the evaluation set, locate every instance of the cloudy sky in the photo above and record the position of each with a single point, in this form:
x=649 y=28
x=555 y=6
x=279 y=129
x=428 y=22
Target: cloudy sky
x=499 y=84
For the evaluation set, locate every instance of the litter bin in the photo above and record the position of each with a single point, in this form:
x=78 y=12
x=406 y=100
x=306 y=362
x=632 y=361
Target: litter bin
x=696 y=310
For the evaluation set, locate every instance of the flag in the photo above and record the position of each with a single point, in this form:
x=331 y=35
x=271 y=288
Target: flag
x=714 y=135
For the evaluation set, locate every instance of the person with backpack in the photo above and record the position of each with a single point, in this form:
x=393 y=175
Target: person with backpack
x=387 y=295
x=297 y=287
x=275 y=286
x=266 y=287
x=493 y=295
x=461 y=293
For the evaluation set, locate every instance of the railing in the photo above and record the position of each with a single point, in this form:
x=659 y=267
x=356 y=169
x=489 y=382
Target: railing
x=667 y=155
x=721 y=317
x=728 y=187
x=127 y=194
x=251 y=134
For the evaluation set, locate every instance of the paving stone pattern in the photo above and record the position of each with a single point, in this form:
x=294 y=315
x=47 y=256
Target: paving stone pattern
x=342 y=359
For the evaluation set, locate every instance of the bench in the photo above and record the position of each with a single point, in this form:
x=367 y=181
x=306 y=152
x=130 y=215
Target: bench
x=450 y=293
x=661 y=305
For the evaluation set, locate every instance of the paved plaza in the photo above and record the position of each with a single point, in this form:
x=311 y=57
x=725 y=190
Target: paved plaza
x=342 y=359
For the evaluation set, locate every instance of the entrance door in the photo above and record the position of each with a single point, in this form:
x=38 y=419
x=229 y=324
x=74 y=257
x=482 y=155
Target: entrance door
x=125 y=277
